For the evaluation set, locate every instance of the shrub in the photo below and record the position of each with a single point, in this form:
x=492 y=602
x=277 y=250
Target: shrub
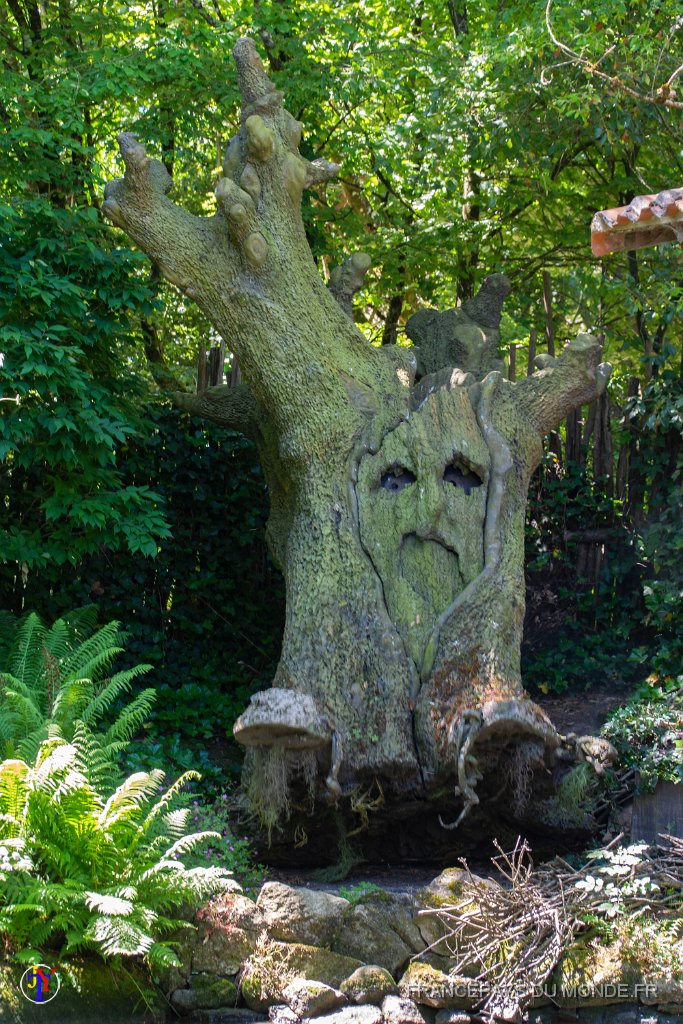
x=81 y=872
x=54 y=685
x=224 y=848
x=648 y=733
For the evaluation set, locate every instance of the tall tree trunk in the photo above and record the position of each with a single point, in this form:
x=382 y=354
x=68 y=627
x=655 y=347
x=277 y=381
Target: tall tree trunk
x=397 y=479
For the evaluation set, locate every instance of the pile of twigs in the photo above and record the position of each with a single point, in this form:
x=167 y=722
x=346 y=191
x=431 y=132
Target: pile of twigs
x=508 y=936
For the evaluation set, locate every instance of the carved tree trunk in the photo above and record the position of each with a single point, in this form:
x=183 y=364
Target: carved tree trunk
x=397 y=479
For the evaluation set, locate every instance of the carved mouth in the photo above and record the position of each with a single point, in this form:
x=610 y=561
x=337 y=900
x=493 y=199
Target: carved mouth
x=432 y=569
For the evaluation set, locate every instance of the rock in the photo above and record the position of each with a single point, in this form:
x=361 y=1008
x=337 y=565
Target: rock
x=396 y=1010
x=353 y=1015
x=667 y=989
x=312 y=998
x=273 y=965
x=184 y=1000
x=227 y=933
x=600 y=975
x=238 y=1016
x=447 y=889
x=213 y=992
x=452 y=1017
x=368 y=984
x=300 y=915
x=208 y=992
x=429 y=987
x=282 y=1015
x=380 y=929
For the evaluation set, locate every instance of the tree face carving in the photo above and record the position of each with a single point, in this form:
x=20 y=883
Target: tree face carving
x=397 y=482
x=423 y=526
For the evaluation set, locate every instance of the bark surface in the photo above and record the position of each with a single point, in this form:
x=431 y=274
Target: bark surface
x=397 y=479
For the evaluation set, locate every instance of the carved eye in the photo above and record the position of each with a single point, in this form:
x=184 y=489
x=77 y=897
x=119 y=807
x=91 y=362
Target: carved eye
x=462 y=476
x=396 y=478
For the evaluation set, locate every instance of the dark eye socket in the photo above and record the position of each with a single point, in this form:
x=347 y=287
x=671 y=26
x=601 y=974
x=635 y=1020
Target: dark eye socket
x=396 y=478
x=462 y=476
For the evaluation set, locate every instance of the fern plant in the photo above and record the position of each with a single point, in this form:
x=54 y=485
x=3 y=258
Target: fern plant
x=54 y=684
x=80 y=872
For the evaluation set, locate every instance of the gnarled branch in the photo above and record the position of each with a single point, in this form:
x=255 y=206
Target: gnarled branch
x=573 y=379
x=233 y=407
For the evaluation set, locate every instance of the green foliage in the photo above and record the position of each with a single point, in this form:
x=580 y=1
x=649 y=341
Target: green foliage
x=67 y=303
x=648 y=733
x=614 y=878
x=224 y=849
x=575 y=799
x=577 y=627
x=656 y=418
x=54 y=684
x=81 y=872
x=356 y=893
x=207 y=613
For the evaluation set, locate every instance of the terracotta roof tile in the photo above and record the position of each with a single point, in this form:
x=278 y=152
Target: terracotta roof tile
x=647 y=220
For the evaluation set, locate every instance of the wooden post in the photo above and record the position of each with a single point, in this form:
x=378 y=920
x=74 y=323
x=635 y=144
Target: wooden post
x=548 y=307
x=554 y=440
x=574 y=436
x=235 y=376
x=513 y=361
x=201 y=370
x=533 y=334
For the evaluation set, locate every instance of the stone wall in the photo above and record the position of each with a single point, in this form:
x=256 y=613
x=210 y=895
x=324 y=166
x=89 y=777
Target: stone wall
x=299 y=954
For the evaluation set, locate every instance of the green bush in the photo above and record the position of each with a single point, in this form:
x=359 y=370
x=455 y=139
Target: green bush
x=224 y=848
x=53 y=685
x=576 y=629
x=207 y=613
x=656 y=419
x=81 y=872
x=83 y=867
x=69 y=303
x=648 y=733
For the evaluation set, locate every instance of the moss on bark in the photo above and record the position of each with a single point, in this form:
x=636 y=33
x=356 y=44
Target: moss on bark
x=397 y=506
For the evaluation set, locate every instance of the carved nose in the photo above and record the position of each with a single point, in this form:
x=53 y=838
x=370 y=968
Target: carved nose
x=430 y=507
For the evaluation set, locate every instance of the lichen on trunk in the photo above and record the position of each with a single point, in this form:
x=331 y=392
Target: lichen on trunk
x=397 y=479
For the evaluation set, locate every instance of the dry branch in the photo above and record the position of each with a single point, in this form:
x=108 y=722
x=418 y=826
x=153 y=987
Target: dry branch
x=514 y=933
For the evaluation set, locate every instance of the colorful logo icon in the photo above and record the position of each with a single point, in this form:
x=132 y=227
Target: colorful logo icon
x=39 y=983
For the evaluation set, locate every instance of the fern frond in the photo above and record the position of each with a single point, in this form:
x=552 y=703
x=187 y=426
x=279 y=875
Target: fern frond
x=21 y=712
x=161 y=954
x=130 y=795
x=58 y=641
x=170 y=794
x=29 y=746
x=112 y=906
x=71 y=698
x=175 y=823
x=187 y=843
x=132 y=717
x=14 y=777
x=95 y=654
x=25 y=660
x=116 y=935
x=28 y=956
x=81 y=622
x=54 y=756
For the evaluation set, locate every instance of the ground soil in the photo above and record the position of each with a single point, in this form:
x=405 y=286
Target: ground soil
x=582 y=713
